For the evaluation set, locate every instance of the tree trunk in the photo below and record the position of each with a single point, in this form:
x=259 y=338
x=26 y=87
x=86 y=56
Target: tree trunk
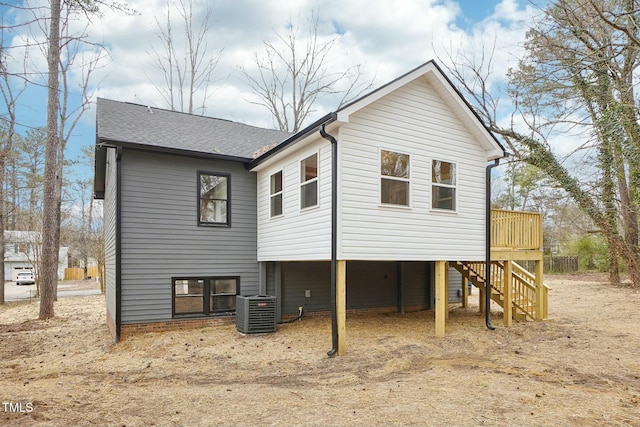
x=49 y=275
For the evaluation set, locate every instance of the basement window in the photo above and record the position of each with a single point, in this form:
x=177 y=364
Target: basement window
x=205 y=296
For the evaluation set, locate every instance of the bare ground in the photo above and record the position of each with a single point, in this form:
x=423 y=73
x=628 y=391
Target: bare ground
x=580 y=368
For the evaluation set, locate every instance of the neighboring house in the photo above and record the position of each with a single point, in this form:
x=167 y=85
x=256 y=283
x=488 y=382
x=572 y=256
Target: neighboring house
x=21 y=252
x=364 y=206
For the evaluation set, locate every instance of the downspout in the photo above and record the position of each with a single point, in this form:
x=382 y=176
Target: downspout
x=487 y=283
x=118 y=272
x=334 y=237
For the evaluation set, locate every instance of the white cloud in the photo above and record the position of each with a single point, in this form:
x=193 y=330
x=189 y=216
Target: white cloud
x=386 y=38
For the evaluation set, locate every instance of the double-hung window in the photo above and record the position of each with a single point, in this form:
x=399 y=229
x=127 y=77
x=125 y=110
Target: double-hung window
x=205 y=295
x=309 y=182
x=443 y=185
x=213 y=198
x=394 y=178
x=275 y=192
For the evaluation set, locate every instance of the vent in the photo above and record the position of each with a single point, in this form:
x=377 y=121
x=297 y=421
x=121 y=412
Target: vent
x=256 y=314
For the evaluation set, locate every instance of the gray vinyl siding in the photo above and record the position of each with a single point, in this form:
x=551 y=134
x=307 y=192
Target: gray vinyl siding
x=417 y=288
x=372 y=284
x=161 y=237
x=455 y=285
x=271 y=278
x=109 y=212
x=369 y=285
x=297 y=277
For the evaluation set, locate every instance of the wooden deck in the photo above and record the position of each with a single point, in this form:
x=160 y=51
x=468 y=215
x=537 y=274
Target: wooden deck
x=516 y=236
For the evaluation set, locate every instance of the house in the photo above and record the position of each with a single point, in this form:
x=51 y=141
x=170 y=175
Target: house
x=21 y=252
x=363 y=209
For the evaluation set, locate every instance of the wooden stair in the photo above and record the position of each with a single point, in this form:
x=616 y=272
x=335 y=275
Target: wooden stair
x=525 y=299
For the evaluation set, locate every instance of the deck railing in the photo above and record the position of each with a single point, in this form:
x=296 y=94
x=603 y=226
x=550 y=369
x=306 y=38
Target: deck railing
x=516 y=230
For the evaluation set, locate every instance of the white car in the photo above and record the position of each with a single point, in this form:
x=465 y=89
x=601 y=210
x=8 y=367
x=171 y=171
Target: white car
x=25 y=278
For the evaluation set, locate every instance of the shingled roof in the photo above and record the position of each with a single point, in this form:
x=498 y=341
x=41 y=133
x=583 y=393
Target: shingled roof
x=123 y=123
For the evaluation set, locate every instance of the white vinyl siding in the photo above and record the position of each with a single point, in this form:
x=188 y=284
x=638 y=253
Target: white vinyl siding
x=299 y=234
x=412 y=119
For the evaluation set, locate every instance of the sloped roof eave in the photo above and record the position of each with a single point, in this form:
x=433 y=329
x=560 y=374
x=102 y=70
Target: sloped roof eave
x=494 y=148
x=299 y=136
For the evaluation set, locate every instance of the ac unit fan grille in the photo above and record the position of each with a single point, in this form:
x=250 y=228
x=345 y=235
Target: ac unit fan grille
x=256 y=314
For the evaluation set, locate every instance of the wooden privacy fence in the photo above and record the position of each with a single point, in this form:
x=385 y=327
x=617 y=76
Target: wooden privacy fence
x=76 y=273
x=555 y=264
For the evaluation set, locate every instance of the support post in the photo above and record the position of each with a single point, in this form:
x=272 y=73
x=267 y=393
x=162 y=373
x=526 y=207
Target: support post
x=441 y=297
x=401 y=287
x=508 y=294
x=446 y=290
x=341 y=304
x=465 y=292
x=540 y=300
x=482 y=301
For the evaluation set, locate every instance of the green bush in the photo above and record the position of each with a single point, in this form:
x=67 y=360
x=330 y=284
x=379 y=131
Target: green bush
x=593 y=253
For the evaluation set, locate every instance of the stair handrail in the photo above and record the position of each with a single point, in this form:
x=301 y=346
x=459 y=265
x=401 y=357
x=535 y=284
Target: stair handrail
x=519 y=276
x=530 y=282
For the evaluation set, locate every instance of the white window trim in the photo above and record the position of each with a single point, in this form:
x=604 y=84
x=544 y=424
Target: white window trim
x=302 y=184
x=395 y=178
x=455 y=187
x=281 y=192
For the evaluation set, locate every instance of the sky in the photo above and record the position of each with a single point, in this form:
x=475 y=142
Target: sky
x=385 y=38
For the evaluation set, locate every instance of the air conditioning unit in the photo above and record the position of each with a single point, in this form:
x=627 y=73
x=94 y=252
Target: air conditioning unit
x=255 y=314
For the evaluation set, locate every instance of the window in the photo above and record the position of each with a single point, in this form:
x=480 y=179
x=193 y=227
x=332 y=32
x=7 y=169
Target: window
x=205 y=295
x=309 y=182
x=276 y=194
x=188 y=296
x=22 y=248
x=443 y=185
x=394 y=178
x=213 y=200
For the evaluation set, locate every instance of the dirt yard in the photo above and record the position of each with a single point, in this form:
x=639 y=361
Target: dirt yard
x=580 y=368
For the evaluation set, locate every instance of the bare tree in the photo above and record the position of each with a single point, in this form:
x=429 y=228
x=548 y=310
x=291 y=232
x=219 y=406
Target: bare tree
x=62 y=53
x=29 y=159
x=294 y=72
x=577 y=74
x=10 y=96
x=50 y=223
x=185 y=59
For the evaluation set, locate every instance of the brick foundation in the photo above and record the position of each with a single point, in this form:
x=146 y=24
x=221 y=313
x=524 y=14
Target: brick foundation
x=174 y=325
x=372 y=310
x=111 y=324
